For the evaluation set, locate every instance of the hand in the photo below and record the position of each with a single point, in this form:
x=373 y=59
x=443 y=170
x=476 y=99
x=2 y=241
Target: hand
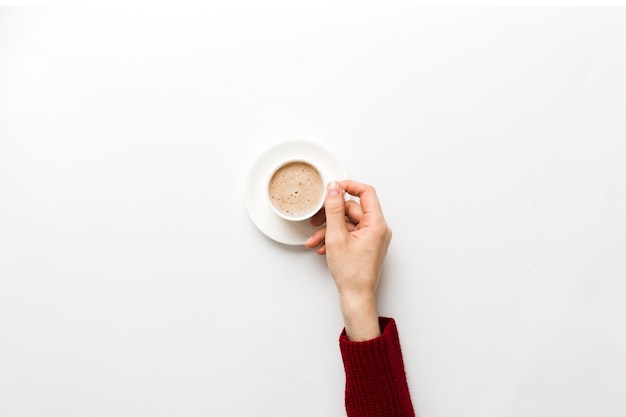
x=355 y=242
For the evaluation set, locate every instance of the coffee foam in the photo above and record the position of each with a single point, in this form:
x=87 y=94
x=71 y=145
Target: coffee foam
x=296 y=189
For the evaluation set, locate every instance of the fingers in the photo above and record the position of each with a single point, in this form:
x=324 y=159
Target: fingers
x=354 y=213
x=322 y=249
x=335 y=209
x=367 y=196
x=345 y=217
x=317 y=238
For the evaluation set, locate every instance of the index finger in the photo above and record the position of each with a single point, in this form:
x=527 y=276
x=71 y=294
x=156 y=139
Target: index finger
x=367 y=196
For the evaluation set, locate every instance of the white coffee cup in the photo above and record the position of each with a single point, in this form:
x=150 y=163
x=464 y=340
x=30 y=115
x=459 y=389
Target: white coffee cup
x=296 y=190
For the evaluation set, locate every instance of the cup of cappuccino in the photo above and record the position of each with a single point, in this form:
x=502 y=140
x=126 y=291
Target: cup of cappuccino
x=296 y=190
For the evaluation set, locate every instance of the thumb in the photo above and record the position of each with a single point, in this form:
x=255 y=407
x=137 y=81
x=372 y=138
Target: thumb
x=335 y=211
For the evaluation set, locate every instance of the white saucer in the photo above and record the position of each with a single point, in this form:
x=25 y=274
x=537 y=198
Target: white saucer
x=262 y=215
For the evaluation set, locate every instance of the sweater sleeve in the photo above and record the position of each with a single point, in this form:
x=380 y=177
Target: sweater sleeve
x=376 y=382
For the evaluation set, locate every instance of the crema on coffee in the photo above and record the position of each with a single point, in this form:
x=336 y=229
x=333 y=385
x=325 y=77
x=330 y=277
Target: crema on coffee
x=296 y=189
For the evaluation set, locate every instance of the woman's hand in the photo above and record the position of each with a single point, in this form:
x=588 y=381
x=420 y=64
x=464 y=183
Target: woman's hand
x=355 y=241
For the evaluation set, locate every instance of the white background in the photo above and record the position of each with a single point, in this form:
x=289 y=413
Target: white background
x=132 y=282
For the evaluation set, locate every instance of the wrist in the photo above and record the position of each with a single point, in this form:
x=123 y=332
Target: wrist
x=360 y=316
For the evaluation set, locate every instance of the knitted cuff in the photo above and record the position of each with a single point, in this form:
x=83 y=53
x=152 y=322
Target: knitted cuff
x=375 y=378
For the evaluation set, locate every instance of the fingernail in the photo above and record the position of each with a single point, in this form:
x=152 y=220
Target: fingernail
x=309 y=240
x=333 y=189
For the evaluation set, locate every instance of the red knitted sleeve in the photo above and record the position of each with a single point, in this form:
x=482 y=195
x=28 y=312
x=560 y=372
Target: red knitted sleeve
x=376 y=383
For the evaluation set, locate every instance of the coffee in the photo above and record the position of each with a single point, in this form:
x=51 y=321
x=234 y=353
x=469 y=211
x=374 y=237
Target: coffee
x=296 y=189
